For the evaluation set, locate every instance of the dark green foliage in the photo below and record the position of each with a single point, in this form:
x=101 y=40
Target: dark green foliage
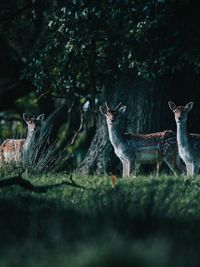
x=86 y=41
x=145 y=221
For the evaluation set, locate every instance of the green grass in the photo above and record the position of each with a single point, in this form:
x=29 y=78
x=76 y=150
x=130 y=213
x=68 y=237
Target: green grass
x=143 y=221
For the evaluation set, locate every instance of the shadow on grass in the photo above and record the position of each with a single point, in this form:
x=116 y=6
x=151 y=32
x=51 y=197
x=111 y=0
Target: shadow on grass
x=137 y=223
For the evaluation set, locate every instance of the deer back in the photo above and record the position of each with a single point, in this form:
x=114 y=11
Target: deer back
x=11 y=149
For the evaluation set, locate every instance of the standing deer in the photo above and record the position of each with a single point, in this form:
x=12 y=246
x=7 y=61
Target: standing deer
x=135 y=149
x=188 y=144
x=14 y=150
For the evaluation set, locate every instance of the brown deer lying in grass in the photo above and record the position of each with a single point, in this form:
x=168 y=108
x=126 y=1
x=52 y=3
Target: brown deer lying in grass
x=13 y=150
x=135 y=149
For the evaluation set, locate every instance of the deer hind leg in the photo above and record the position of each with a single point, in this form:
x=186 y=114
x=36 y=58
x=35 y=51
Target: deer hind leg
x=158 y=165
x=126 y=168
x=135 y=168
x=172 y=164
x=158 y=162
x=180 y=165
x=175 y=164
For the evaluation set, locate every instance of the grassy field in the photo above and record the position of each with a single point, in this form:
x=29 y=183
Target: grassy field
x=143 y=221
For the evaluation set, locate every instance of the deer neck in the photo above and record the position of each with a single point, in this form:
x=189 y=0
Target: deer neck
x=29 y=140
x=182 y=134
x=115 y=134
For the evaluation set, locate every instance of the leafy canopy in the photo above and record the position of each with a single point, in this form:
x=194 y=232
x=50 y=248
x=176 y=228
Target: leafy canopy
x=86 y=41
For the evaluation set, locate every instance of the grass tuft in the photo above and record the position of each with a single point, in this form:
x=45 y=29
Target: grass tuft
x=40 y=158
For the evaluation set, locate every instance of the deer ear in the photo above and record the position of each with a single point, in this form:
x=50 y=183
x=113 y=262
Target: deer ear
x=40 y=117
x=25 y=118
x=172 y=105
x=103 y=110
x=189 y=106
x=122 y=109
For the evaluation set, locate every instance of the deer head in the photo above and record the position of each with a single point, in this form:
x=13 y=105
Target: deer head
x=113 y=116
x=180 y=112
x=33 y=123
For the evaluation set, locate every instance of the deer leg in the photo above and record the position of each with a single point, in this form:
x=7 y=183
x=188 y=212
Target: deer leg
x=1 y=159
x=174 y=163
x=136 y=168
x=180 y=166
x=158 y=162
x=158 y=165
x=194 y=169
x=171 y=164
x=190 y=170
x=126 y=168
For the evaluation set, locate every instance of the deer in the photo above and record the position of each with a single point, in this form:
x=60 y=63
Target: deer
x=134 y=149
x=188 y=144
x=15 y=150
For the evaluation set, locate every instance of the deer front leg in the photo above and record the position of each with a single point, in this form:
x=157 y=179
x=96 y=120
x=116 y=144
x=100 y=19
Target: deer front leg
x=190 y=170
x=126 y=168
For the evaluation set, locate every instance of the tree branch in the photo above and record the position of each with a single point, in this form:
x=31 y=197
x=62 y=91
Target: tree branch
x=77 y=132
x=19 y=181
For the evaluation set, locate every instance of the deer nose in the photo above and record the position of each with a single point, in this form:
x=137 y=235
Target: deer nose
x=111 y=118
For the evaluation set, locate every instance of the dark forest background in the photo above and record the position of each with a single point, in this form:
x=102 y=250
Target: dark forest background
x=65 y=58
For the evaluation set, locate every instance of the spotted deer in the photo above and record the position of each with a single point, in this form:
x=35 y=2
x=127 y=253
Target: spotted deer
x=135 y=149
x=188 y=144
x=14 y=150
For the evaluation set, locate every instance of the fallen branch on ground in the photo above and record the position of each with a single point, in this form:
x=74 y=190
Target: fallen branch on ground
x=19 y=181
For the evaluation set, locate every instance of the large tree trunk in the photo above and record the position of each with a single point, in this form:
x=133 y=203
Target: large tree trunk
x=147 y=111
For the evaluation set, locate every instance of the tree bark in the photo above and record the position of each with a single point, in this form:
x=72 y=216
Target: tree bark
x=147 y=112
